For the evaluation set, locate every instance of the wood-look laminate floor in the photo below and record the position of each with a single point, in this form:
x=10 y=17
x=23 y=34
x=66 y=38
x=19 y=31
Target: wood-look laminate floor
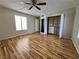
x=36 y=46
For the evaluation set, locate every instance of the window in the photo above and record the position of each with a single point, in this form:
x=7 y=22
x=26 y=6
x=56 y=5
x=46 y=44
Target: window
x=21 y=22
x=24 y=25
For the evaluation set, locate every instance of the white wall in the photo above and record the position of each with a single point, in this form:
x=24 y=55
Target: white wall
x=7 y=23
x=68 y=23
x=37 y=24
x=75 y=38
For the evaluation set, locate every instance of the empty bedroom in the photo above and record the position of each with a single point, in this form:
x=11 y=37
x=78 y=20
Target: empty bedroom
x=39 y=29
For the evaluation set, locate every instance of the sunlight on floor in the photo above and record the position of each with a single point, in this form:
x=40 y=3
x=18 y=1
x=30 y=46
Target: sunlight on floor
x=23 y=45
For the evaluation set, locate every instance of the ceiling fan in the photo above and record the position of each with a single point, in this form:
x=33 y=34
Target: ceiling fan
x=35 y=4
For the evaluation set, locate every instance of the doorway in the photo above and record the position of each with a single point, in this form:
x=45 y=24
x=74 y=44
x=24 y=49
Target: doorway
x=42 y=25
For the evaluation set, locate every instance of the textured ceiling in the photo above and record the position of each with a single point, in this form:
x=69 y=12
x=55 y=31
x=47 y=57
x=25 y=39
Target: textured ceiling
x=51 y=7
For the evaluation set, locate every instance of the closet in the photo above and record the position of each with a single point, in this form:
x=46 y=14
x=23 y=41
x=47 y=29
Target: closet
x=54 y=25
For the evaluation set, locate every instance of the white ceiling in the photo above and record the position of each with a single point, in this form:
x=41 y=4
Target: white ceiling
x=51 y=7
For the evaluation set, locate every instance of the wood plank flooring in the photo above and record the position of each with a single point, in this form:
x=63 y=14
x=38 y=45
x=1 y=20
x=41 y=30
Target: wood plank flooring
x=36 y=46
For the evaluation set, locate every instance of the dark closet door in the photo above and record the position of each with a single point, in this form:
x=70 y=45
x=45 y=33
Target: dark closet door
x=42 y=25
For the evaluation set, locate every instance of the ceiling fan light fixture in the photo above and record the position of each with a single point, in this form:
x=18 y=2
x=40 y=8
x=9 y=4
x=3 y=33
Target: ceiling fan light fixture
x=35 y=4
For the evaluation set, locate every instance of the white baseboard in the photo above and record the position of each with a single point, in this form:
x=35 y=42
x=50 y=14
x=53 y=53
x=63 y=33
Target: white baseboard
x=5 y=38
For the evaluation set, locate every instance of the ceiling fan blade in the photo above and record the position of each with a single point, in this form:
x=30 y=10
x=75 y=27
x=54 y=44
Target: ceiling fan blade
x=37 y=7
x=30 y=7
x=41 y=3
